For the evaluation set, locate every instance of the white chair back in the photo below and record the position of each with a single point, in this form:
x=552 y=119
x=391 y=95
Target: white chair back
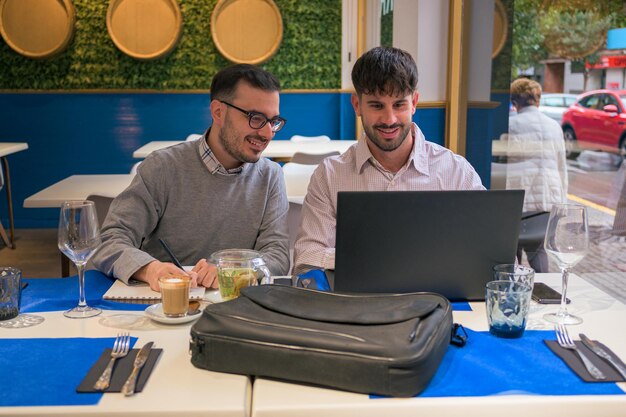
x=133 y=170
x=193 y=136
x=310 y=139
x=310 y=158
x=102 y=204
x=297 y=177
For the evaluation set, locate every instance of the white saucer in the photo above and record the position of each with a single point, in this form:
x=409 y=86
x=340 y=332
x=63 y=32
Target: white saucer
x=212 y=296
x=155 y=312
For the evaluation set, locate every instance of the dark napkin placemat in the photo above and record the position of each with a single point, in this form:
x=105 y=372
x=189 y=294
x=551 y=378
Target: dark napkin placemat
x=121 y=371
x=572 y=360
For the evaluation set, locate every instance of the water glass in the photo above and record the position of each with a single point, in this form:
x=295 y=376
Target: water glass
x=514 y=272
x=507 y=308
x=10 y=288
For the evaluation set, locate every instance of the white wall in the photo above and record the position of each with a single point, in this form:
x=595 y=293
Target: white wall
x=348 y=41
x=615 y=75
x=480 y=49
x=420 y=27
x=572 y=83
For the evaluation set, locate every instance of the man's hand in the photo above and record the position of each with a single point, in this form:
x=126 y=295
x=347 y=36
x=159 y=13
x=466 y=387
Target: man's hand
x=151 y=272
x=204 y=274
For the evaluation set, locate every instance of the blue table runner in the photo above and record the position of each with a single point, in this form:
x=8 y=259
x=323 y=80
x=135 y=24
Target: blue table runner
x=46 y=372
x=60 y=294
x=489 y=365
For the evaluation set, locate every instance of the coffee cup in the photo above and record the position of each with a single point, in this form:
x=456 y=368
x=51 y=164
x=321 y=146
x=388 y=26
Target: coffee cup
x=10 y=288
x=175 y=295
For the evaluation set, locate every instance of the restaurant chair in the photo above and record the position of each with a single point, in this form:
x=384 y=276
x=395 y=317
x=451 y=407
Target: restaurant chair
x=3 y=233
x=532 y=234
x=297 y=177
x=193 y=136
x=310 y=139
x=311 y=159
x=102 y=204
x=133 y=169
x=498 y=176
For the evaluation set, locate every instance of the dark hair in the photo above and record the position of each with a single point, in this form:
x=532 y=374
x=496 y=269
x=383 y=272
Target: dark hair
x=386 y=71
x=225 y=81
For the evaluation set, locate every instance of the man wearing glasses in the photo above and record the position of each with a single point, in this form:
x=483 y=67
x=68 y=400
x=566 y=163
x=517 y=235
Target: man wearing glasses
x=207 y=195
x=392 y=155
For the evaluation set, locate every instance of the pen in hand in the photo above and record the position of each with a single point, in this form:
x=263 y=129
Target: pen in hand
x=171 y=254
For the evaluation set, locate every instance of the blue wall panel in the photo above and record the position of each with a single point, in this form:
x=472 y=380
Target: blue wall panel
x=432 y=123
x=85 y=133
x=479 y=136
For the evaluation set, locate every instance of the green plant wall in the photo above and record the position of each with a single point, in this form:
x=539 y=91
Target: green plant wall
x=309 y=56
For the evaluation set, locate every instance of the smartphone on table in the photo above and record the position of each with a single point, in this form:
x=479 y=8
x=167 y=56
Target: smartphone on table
x=546 y=295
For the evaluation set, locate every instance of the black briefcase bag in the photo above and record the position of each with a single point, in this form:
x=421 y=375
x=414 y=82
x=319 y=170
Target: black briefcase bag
x=374 y=344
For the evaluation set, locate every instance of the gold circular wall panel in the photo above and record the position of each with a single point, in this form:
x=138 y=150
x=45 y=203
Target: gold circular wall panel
x=146 y=29
x=37 y=28
x=500 y=28
x=247 y=31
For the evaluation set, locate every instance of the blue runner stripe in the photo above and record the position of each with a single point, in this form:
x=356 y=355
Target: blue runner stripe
x=489 y=365
x=60 y=294
x=46 y=372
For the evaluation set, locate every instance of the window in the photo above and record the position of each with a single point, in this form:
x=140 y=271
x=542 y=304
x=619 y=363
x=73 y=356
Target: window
x=590 y=102
x=553 y=102
x=569 y=101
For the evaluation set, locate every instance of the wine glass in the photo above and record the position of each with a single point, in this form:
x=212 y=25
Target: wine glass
x=567 y=241
x=79 y=237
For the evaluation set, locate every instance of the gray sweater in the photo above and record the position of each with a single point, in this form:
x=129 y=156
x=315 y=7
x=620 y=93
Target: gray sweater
x=176 y=198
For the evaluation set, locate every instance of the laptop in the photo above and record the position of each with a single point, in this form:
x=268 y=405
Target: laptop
x=440 y=241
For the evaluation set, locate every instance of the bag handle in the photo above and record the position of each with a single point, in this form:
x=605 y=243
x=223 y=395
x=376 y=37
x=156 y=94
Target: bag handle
x=343 y=308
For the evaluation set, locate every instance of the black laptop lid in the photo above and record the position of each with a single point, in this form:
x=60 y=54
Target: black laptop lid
x=441 y=241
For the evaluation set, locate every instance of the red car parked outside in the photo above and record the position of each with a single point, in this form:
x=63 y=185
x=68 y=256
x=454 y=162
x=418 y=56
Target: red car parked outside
x=597 y=121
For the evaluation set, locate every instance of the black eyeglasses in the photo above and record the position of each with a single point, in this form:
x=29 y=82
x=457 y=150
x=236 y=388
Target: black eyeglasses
x=257 y=120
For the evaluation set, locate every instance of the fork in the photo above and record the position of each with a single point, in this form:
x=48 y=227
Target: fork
x=566 y=342
x=120 y=349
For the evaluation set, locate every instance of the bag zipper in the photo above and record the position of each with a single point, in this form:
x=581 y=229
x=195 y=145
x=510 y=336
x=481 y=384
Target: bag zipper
x=304 y=329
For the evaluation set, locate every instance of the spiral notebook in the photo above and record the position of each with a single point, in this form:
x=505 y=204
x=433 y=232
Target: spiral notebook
x=140 y=291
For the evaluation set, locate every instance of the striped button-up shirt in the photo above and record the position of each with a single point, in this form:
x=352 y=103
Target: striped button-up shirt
x=210 y=161
x=430 y=167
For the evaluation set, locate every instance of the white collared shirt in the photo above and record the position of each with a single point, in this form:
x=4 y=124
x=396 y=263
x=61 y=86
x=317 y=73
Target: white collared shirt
x=430 y=167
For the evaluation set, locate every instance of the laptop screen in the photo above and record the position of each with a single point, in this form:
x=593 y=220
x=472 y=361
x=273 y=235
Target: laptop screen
x=440 y=241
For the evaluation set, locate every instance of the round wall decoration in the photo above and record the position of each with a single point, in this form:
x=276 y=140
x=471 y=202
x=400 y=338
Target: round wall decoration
x=37 y=28
x=247 y=31
x=146 y=29
x=500 y=28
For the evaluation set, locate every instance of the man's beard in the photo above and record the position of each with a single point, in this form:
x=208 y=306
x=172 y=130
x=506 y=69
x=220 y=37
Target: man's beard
x=384 y=145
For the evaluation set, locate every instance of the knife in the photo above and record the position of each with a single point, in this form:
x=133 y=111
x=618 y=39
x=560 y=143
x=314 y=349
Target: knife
x=603 y=354
x=140 y=360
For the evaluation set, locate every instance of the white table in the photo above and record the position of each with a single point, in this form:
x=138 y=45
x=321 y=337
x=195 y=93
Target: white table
x=175 y=387
x=279 y=149
x=602 y=315
x=79 y=187
x=6 y=149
